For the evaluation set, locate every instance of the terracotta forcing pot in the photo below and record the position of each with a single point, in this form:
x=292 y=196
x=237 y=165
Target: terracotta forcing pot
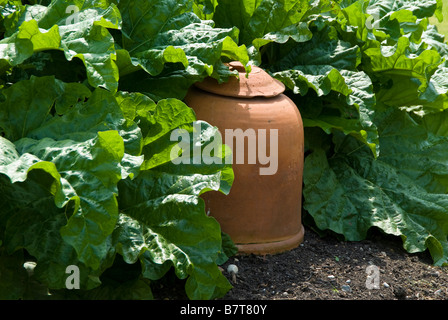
x=262 y=213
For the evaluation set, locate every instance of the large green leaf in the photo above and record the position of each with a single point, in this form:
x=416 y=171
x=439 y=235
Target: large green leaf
x=327 y=67
x=90 y=171
x=255 y=19
x=85 y=152
x=36 y=98
x=34 y=225
x=395 y=66
x=266 y=21
x=372 y=24
x=419 y=8
x=352 y=192
x=59 y=190
x=422 y=142
x=156 y=33
x=400 y=51
x=81 y=35
x=168 y=227
x=33 y=195
x=163 y=221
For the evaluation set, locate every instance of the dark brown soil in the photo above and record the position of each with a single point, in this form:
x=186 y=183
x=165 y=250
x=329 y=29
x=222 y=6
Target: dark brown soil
x=325 y=268
x=329 y=269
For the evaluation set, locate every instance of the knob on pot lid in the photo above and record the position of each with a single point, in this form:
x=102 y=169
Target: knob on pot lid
x=258 y=84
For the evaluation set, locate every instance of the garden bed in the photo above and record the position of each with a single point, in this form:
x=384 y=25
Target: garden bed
x=92 y=94
x=326 y=268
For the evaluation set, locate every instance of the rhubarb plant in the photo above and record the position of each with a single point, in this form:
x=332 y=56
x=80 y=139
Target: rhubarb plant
x=86 y=176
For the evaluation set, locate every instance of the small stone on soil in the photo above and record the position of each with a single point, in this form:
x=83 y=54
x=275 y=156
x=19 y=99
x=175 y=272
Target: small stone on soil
x=346 y=288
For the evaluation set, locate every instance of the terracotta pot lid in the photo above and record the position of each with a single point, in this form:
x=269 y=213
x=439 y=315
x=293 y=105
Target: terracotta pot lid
x=258 y=84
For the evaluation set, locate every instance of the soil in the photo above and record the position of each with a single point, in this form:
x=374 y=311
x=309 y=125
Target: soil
x=326 y=268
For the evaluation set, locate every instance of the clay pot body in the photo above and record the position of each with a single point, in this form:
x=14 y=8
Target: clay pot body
x=262 y=212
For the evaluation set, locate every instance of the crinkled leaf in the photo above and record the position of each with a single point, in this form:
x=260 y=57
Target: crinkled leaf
x=92 y=170
x=266 y=21
x=36 y=194
x=422 y=142
x=156 y=33
x=164 y=224
x=36 y=98
x=37 y=229
x=83 y=35
x=163 y=221
x=79 y=154
x=261 y=19
x=420 y=8
x=335 y=53
x=393 y=66
x=87 y=153
x=331 y=67
x=203 y=151
x=367 y=25
x=352 y=191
